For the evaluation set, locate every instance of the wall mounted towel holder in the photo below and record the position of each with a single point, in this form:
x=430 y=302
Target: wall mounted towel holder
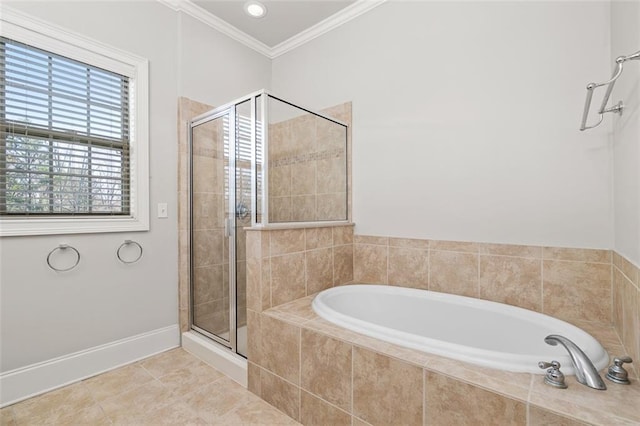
x=617 y=108
x=63 y=247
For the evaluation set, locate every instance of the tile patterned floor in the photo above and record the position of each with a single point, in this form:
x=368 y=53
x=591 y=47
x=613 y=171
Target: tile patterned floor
x=172 y=388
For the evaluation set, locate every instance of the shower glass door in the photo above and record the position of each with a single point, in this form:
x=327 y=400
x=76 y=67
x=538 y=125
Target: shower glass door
x=212 y=242
x=221 y=162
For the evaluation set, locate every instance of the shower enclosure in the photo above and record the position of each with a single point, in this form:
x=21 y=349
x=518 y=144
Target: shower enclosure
x=258 y=161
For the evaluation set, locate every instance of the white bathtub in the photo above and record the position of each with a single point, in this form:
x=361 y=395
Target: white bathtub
x=477 y=331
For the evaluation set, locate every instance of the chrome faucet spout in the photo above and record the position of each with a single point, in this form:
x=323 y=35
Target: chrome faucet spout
x=586 y=372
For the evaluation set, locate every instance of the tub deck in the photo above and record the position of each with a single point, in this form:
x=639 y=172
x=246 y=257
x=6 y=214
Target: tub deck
x=526 y=392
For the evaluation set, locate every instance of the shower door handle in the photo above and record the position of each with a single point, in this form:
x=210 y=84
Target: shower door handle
x=228 y=227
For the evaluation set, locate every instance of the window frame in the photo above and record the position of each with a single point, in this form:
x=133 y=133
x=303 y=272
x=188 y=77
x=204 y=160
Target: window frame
x=43 y=35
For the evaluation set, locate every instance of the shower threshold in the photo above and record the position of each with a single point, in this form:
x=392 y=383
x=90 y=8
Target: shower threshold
x=219 y=357
x=242 y=339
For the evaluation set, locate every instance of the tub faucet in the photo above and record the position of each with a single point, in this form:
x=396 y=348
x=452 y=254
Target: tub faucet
x=586 y=372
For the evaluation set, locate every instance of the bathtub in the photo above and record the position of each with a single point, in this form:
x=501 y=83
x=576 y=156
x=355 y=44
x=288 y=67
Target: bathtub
x=477 y=331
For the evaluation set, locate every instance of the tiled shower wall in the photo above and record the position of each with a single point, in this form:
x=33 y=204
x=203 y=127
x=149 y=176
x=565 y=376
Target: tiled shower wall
x=318 y=173
x=211 y=248
x=187 y=109
x=307 y=167
x=210 y=270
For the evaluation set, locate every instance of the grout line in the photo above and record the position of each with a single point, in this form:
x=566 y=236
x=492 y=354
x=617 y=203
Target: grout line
x=478 y=281
x=541 y=285
x=424 y=396
x=611 y=293
x=299 y=386
x=353 y=357
x=429 y=268
x=387 y=270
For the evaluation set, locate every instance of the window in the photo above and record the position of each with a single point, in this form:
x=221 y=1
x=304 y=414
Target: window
x=73 y=140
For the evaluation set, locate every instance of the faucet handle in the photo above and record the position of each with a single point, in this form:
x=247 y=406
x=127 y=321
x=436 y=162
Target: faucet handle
x=554 y=376
x=617 y=373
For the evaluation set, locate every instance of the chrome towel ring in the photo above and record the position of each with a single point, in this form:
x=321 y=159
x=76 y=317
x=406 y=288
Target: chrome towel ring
x=63 y=247
x=127 y=243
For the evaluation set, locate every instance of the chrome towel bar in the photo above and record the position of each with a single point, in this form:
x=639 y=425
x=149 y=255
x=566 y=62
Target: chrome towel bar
x=610 y=83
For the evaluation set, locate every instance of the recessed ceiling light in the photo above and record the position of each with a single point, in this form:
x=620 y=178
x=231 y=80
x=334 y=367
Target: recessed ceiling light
x=255 y=9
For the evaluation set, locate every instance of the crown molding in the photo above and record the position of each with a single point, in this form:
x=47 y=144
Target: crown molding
x=345 y=15
x=342 y=17
x=214 y=22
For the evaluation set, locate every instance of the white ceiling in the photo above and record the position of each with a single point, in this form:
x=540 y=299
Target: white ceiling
x=284 y=19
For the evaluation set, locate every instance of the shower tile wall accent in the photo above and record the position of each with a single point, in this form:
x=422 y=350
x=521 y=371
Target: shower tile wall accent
x=307 y=167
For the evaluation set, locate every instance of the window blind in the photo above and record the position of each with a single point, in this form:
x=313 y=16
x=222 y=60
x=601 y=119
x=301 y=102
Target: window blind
x=65 y=129
x=243 y=154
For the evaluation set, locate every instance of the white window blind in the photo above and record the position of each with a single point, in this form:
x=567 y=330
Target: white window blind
x=243 y=154
x=65 y=133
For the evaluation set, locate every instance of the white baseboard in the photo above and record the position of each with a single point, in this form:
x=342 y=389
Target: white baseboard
x=231 y=365
x=25 y=382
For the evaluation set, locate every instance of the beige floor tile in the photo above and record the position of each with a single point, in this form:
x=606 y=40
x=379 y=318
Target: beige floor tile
x=185 y=392
x=174 y=414
x=59 y=406
x=190 y=378
x=167 y=362
x=216 y=399
x=6 y=417
x=115 y=382
x=93 y=415
x=255 y=412
x=138 y=403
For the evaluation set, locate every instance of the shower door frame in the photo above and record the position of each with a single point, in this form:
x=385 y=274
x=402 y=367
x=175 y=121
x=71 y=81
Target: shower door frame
x=229 y=224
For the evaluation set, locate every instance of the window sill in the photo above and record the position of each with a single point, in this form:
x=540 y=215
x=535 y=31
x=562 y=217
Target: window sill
x=71 y=225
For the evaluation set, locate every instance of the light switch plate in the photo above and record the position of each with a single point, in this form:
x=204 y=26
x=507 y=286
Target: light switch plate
x=163 y=211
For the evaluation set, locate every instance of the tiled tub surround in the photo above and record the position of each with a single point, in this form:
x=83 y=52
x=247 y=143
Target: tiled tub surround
x=576 y=285
x=626 y=307
x=319 y=373
x=286 y=264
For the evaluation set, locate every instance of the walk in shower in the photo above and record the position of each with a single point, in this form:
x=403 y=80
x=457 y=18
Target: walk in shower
x=259 y=161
